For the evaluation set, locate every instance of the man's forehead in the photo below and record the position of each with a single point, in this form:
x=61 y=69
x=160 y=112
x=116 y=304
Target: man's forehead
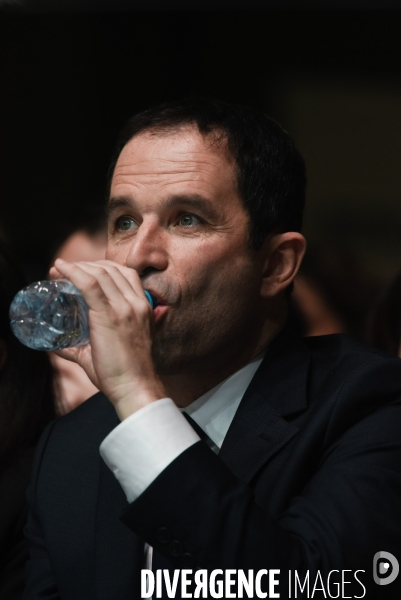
x=165 y=167
x=183 y=161
x=184 y=144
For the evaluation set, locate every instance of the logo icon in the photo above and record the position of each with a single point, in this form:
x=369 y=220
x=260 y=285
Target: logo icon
x=385 y=568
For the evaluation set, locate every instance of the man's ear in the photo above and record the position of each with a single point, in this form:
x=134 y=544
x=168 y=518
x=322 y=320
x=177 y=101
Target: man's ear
x=283 y=256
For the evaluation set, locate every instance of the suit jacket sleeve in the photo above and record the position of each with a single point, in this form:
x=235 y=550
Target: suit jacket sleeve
x=346 y=511
x=41 y=583
x=13 y=514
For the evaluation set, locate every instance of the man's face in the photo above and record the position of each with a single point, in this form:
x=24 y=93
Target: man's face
x=176 y=218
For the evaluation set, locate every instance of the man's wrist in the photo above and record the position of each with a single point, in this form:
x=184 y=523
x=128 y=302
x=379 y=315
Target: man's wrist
x=137 y=397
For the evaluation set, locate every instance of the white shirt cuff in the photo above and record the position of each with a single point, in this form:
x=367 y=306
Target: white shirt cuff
x=145 y=443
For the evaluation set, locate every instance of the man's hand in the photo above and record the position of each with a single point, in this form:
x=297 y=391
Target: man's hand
x=118 y=359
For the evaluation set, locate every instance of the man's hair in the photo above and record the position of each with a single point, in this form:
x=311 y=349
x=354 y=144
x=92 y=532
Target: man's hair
x=270 y=171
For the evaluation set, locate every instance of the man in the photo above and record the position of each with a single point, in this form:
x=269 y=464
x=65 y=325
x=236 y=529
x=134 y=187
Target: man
x=301 y=471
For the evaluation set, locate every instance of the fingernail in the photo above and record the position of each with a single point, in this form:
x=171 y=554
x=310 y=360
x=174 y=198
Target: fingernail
x=60 y=261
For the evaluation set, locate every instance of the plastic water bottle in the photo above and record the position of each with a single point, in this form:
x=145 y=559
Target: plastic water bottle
x=51 y=315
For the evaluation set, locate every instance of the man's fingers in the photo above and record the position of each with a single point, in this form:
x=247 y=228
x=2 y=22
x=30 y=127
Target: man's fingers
x=125 y=284
x=54 y=273
x=115 y=280
x=68 y=353
x=82 y=355
x=86 y=282
x=121 y=274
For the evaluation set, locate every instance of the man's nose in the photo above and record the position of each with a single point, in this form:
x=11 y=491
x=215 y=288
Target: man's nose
x=148 y=250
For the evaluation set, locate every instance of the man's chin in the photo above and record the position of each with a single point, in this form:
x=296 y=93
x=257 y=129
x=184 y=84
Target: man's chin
x=171 y=360
x=168 y=366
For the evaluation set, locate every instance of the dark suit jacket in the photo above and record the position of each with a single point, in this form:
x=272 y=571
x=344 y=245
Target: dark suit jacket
x=308 y=478
x=14 y=481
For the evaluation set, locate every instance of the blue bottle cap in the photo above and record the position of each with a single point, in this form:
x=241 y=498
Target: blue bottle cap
x=151 y=299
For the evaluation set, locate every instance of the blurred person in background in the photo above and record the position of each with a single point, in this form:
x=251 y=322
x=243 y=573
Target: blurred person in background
x=385 y=322
x=26 y=407
x=85 y=240
x=332 y=294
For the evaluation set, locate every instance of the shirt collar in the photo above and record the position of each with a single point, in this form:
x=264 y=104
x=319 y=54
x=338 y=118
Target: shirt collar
x=215 y=410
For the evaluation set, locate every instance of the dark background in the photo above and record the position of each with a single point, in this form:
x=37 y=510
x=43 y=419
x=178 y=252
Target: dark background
x=70 y=79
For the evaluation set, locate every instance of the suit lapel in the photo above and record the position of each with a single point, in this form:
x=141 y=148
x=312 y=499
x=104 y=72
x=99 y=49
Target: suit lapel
x=260 y=428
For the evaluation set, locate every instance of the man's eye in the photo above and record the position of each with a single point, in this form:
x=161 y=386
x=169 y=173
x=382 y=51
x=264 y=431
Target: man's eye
x=188 y=220
x=125 y=224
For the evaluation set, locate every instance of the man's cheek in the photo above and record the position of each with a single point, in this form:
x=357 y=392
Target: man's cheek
x=115 y=254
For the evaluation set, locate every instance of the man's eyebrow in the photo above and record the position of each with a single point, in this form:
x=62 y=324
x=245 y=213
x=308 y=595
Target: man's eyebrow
x=114 y=204
x=190 y=201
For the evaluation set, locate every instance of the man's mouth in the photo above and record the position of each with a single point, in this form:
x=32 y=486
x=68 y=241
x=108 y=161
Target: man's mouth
x=161 y=305
x=156 y=297
x=160 y=311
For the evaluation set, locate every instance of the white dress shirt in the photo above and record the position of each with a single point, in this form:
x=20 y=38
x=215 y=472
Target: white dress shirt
x=145 y=443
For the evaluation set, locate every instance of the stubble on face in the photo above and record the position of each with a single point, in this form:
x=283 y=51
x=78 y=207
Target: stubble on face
x=209 y=269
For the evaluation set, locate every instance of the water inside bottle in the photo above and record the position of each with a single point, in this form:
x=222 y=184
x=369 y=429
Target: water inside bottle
x=50 y=315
